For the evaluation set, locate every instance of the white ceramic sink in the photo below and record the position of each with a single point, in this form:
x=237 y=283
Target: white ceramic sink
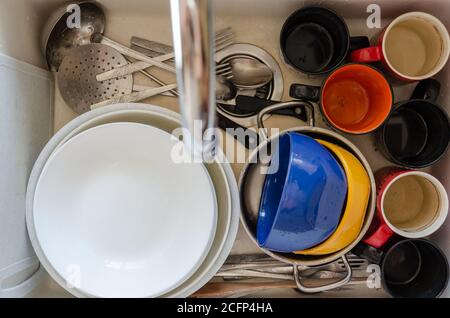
x=254 y=21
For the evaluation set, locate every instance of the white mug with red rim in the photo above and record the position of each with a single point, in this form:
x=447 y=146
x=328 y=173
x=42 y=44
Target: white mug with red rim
x=413 y=47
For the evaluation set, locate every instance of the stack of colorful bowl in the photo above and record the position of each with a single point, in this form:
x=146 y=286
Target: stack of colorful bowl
x=315 y=201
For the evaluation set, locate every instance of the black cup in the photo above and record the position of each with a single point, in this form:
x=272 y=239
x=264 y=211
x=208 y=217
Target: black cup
x=410 y=268
x=315 y=40
x=417 y=132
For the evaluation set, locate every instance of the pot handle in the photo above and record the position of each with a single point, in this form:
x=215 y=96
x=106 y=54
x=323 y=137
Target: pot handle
x=294 y=104
x=318 y=289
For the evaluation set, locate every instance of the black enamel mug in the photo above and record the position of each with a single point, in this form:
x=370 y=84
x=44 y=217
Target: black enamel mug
x=315 y=41
x=417 y=132
x=409 y=268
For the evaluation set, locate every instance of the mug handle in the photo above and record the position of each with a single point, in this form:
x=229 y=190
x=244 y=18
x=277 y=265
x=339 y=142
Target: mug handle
x=428 y=89
x=367 y=55
x=372 y=254
x=358 y=42
x=318 y=289
x=308 y=92
x=380 y=236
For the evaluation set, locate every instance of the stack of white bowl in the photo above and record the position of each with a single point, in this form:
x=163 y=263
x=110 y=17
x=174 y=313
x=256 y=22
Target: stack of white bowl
x=89 y=276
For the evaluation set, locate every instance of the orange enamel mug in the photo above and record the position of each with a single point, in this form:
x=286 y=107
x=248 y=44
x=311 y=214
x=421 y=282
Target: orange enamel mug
x=355 y=98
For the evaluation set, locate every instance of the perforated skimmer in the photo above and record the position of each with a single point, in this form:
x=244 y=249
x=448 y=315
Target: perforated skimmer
x=77 y=76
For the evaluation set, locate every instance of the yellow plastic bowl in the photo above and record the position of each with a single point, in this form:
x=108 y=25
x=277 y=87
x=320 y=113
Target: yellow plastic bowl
x=356 y=206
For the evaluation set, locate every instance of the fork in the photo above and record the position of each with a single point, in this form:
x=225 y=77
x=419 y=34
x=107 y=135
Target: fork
x=154 y=49
x=224 y=38
x=224 y=69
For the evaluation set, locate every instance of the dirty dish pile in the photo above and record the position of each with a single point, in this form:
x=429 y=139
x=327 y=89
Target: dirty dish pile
x=356 y=98
x=297 y=214
x=302 y=198
x=316 y=201
x=220 y=174
x=103 y=172
x=307 y=196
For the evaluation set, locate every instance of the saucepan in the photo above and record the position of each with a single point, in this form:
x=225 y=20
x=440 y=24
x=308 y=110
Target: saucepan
x=251 y=190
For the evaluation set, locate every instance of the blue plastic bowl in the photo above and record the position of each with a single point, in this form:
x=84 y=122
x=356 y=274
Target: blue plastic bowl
x=303 y=200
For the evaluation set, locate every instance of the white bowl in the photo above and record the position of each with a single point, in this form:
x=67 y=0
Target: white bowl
x=221 y=175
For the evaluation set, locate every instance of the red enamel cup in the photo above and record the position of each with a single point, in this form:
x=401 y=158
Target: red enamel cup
x=413 y=47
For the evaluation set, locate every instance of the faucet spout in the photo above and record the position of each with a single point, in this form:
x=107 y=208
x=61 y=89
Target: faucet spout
x=194 y=57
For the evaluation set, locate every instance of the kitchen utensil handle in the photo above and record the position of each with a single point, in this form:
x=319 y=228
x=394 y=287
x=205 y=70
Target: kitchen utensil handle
x=159 y=48
x=255 y=105
x=148 y=53
x=293 y=104
x=131 y=68
x=173 y=92
x=194 y=58
x=162 y=53
x=140 y=88
x=428 y=89
x=253 y=274
x=152 y=45
x=318 y=289
x=308 y=92
x=135 y=97
x=98 y=38
x=226 y=289
x=251 y=137
x=230 y=289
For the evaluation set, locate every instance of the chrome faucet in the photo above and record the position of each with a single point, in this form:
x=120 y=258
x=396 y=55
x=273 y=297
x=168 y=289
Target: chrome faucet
x=194 y=56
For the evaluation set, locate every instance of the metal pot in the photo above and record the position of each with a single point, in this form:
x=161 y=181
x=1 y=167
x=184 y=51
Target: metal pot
x=250 y=185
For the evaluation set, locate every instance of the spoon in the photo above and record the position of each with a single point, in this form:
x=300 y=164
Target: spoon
x=249 y=73
x=58 y=38
x=225 y=90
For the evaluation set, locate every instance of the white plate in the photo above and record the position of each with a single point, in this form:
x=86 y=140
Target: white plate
x=116 y=217
x=228 y=213
x=220 y=173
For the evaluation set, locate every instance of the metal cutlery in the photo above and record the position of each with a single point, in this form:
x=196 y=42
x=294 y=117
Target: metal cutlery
x=224 y=39
x=227 y=289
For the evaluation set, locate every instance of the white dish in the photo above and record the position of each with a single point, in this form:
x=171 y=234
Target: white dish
x=221 y=175
x=162 y=251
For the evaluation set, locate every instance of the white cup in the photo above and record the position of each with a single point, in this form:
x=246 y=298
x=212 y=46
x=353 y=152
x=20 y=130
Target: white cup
x=414 y=204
